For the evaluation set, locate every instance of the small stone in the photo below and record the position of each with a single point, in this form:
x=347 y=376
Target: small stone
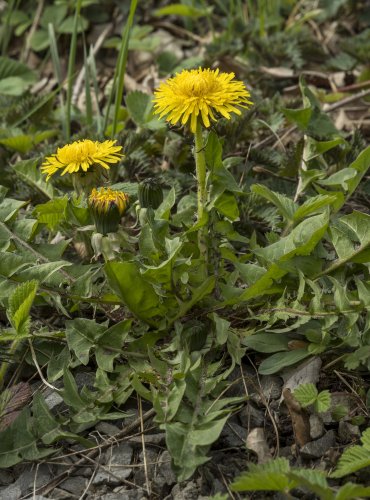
x=75 y=485
x=85 y=379
x=107 y=428
x=25 y=482
x=5 y=477
x=347 y=431
x=164 y=473
x=318 y=448
x=189 y=492
x=11 y=492
x=241 y=378
x=53 y=400
x=117 y=460
x=343 y=400
x=316 y=427
x=251 y=417
x=233 y=435
x=59 y=494
x=151 y=460
x=124 y=494
x=270 y=387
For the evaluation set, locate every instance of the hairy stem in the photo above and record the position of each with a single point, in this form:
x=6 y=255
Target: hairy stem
x=200 y=164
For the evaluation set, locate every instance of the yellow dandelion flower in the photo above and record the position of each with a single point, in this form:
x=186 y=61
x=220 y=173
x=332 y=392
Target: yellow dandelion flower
x=107 y=207
x=200 y=93
x=81 y=156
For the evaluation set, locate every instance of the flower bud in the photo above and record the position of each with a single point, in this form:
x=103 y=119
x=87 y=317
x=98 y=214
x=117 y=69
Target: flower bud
x=150 y=193
x=107 y=207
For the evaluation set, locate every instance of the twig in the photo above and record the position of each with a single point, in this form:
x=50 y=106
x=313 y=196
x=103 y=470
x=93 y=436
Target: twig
x=346 y=100
x=45 y=489
x=79 y=80
x=34 y=359
x=143 y=446
x=36 y=19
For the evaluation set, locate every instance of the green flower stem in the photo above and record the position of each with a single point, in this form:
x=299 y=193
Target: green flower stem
x=200 y=164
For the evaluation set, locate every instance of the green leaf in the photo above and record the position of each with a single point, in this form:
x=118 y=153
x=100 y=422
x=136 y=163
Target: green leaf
x=44 y=272
x=15 y=77
x=301 y=241
x=339 y=179
x=361 y=165
x=305 y=394
x=267 y=342
x=20 y=302
x=350 y=236
x=52 y=213
x=109 y=345
x=323 y=401
x=280 y=360
x=82 y=335
x=140 y=107
x=314 y=480
x=70 y=393
x=19 y=443
x=67 y=25
x=354 y=458
x=48 y=429
x=285 y=205
x=351 y=491
x=271 y=476
x=28 y=171
x=226 y=204
x=312 y=205
x=134 y=291
x=9 y=208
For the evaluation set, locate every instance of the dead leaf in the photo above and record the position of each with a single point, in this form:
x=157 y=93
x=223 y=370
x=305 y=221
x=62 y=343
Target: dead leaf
x=307 y=372
x=299 y=417
x=278 y=72
x=12 y=401
x=256 y=441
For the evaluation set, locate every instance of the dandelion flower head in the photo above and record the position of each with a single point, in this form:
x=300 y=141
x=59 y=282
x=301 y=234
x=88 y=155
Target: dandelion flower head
x=200 y=93
x=105 y=199
x=81 y=156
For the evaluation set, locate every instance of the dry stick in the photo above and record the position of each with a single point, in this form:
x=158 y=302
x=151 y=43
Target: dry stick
x=143 y=446
x=35 y=23
x=44 y=490
x=328 y=109
x=34 y=359
x=79 y=80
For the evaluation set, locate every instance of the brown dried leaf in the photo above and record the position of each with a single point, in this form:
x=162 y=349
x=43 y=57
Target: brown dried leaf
x=300 y=419
x=256 y=441
x=12 y=401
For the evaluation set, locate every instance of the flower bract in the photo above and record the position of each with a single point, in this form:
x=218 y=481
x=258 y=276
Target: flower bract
x=107 y=207
x=80 y=156
x=197 y=93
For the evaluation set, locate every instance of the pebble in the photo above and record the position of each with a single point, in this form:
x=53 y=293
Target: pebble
x=5 y=477
x=116 y=459
x=316 y=426
x=251 y=417
x=233 y=435
x=318 y=448
x=25 y=482
x=164 y=475
x=270 y=386
x=75 y=485
x=347 y=431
